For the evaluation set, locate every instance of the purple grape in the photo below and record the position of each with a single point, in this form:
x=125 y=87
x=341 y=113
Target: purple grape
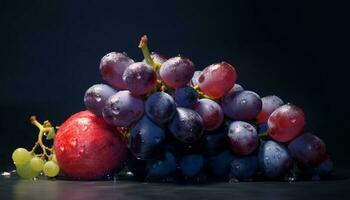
x=194 y=80
x=308 y=149
x=274 y=159
x=243 y=168
x=269 y=104
x=186 y=125
x=156 y=57
x=186 y=97
x=177 y=71
x=96 y=96
x=122 y=109
x=236 y=88
x=243 y=105
x=160 y=107
x=211 y=113
x=140 y=78
x=243 y=138
x=112 y=67
x=146 y=139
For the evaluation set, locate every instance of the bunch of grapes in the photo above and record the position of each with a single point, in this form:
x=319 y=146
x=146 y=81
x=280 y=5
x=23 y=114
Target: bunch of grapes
x=188 y=125
x=29 y=164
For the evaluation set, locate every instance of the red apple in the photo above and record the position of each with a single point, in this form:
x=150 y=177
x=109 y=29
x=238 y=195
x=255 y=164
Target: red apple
x=87 y=148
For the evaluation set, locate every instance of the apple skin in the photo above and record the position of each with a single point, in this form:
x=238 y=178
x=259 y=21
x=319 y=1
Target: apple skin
x=87 y=148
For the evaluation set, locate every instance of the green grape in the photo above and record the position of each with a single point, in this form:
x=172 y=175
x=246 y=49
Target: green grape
x=37 y=164
x=25 y=171
x=54 y=158
x=51 y=169
x=21 y=156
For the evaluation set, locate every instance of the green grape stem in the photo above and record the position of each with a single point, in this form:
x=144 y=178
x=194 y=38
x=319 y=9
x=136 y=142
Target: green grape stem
x=47 y=130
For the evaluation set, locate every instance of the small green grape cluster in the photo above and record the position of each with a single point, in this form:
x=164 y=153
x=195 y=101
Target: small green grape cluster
x=29 y=164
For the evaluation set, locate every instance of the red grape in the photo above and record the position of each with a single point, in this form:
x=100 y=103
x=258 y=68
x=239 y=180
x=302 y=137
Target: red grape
x=269 y=104
x=211 y=113
x=286 y=123
x=217 y=79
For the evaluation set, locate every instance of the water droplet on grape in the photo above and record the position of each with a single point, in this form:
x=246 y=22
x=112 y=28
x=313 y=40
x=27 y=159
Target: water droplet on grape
x=157 y=139
x=293 y=120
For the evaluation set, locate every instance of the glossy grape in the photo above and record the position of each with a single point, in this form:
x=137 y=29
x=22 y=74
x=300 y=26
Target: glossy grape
x=243 y=168
x=186 y=125
x=242 y=105
x=211 y=113
x=21 y=156
x=160 y=107
x=96 y=96
x=140 y=78
x=122 y=109
x=146 y=139
x=186 y=97
x=215 y=142
x=269 y=104
x=194 y=80
x=137 y=167
x=308 y=149
x=243 y=138
x=177 y=71
x=274 y=159
x=162 y=168
x=26 y=172
x=51 y=169
x=217 y=79
x=236 y=88
x=112 y=67
x=37 y=164
x=220 y=165
x=191 y=165
x=286 y=123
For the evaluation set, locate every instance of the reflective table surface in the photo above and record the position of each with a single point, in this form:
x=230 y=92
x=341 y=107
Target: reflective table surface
x=338 y=187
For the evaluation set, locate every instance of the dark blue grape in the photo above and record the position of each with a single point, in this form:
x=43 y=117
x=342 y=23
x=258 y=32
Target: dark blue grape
x=96 y=96
x=186 y=125
x=242 y=105
x=160 y=107
x=186 y=97
x=262 y=128
x=215 y=142
x=137 y=167
x=122 y=109
x=274 y=159
x=192 y=165
x=220 y=165
x=242 y=137
x=243 y=168
x=146 y=139
x=308 y=149
x=161 y=168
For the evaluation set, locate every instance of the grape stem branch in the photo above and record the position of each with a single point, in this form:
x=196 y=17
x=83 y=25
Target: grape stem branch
x=45 y=129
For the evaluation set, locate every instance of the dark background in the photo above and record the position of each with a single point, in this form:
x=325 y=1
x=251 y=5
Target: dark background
x=50 y=52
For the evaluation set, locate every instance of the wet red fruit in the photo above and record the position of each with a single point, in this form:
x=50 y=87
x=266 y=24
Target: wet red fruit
x=286 y=123
x=87 y=148
x=217 y=79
